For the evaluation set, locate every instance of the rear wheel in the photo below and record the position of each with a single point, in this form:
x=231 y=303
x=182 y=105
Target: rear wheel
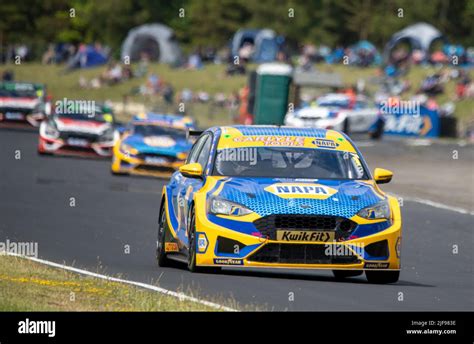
x=341 y=274
x=160 y=246
x=382 y=277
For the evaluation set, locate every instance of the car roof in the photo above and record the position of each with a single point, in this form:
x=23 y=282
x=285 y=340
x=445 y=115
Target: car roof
x=262 y=135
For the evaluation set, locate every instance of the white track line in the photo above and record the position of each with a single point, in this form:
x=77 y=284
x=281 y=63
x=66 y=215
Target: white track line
x=180 y=296
x=436 y=204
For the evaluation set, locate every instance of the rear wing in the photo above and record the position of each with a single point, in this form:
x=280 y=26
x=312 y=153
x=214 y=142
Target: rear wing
x=193 y=133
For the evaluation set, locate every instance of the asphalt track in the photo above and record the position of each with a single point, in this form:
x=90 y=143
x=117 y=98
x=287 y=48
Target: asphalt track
x=111 y=212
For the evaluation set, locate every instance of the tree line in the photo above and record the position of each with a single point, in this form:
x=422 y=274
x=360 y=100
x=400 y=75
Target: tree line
x=212 y=23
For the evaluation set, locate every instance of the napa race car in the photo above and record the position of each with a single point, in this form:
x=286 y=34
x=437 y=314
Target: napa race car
x=152 y=144
x=23 y=104
x=78 y=128
x=350 y=114
x=280 y=197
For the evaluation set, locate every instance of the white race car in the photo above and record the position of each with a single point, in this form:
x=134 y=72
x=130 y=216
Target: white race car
x=339 y=112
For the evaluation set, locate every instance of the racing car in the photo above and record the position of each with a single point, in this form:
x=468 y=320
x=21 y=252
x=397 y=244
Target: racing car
x=152 y=144
x=280 y=197
x=340 y=112
x=23 y=104
x=78 y=129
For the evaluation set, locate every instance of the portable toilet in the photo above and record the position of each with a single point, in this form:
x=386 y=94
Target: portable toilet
x=271 y=96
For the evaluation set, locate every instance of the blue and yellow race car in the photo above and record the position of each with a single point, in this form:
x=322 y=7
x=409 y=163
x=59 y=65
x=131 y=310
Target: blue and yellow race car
x=280 y=197
x=152 y=144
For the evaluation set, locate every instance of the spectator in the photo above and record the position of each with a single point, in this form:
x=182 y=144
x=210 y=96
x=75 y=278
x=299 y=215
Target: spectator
x=8 y=75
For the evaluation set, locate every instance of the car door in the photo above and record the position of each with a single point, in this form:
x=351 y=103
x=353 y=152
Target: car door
x=188 y=186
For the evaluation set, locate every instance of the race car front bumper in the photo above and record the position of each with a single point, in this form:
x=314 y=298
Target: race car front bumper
x=61 y=147
x=132 y=165
x=21 y=119
x=221 y=246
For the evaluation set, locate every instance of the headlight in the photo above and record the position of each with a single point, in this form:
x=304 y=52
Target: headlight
x=381 y=210
x=126 y=149
x=182 y=156
x=107 y=135
x=49 y=131
x=37 y=109
x=224 y=207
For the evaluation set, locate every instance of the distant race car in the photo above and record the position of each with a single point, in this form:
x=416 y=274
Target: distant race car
x=78 y=130
x=152 y=144
x=23 y=103
x=280 y=197
x=340 y=112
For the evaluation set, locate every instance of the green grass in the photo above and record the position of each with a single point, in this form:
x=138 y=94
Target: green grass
x=211 y=79
x=30 y=286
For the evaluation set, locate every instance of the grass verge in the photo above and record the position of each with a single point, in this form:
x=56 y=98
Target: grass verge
x=29 y=286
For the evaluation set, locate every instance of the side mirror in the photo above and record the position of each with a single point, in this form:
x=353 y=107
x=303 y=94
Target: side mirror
x=193 y=170
x=382 y=176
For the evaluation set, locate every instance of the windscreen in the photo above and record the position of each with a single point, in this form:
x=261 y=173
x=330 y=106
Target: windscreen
x=19 y=91
x=155 y=130
x=289 y=162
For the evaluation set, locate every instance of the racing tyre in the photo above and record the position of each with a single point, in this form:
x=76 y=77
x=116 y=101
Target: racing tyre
x=192 y=247
x=382 y=277
x=341 y=274
x=346 y=126
x=161 y=258
x=192 y=241
x=117 y=173
x=378 y=132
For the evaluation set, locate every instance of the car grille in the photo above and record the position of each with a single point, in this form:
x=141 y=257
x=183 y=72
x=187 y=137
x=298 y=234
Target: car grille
x=299 y=254
x=152 y=168
x=91 y=138
x=74 y=149
x=16 y=109
x=166 y=158
x=268 y=225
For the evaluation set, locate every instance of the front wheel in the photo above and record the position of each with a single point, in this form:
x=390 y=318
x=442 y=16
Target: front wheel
x=192 y=247
x=192 y=241
x=382 y=277
x=161 y=258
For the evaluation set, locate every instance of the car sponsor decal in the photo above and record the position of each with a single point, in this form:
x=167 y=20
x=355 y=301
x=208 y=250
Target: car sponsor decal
x=14 y=115
x=77 y=142
x=202 y=242
x=376 y=265
x=323 y=143
x=301 y=190
x=159 y=141
x=26 y=103
x=285 y=141
x=305 y=236
x=228 y=261
x=92 y=127
x=171 y=247
x=155 y=160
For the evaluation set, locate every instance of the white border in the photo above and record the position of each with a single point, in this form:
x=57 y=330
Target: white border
x=180 y=296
